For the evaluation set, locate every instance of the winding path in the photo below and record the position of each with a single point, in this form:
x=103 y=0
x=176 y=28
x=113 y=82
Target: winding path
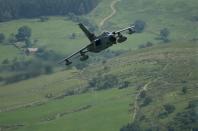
x=136 y=106
x=144 y=88
x=113 y=3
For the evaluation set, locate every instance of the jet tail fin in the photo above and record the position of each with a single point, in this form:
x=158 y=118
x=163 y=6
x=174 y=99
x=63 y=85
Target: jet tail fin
x=89 y=35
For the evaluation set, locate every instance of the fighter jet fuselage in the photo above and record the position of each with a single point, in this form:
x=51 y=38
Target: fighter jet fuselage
x=99 y=43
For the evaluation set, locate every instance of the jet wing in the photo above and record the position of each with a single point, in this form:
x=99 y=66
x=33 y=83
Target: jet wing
x=131 y=30
x=66 y=59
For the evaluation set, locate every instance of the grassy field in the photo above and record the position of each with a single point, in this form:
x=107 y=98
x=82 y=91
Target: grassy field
x=40 y=103
x=90 y=111
x=107 y=109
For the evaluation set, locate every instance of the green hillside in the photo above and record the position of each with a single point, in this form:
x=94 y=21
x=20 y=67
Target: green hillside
x=157 y=70
x=175 y=15
x=150 y=88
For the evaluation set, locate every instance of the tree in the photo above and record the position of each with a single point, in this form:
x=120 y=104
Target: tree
x=10 y=9
x=28 y=43
x=2 y=37
x=24 y=33
x=164 y=34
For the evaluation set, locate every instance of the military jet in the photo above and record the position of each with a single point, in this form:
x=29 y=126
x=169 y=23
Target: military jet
x=99 y=43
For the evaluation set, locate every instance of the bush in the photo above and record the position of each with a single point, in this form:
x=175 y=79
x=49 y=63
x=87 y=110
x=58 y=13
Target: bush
x=193 y=104
x=147 y=100
x=139 y=26
x=185 y=121
x=2 y=37
x=194 y=19
x=148 y=44
x=25 y=70
x=123 y=85
x=184 y=89
x=141 y=46
x=103 y=82
x=143 y=94
x=131 y=127
x=164 y=34
x=5 y=62
x=169 y=108
x=162 y=114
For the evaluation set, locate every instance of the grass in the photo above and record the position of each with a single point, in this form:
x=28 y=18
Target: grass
x=109 y=107
x=33 y=90
x=106 y=110
x=52 y=35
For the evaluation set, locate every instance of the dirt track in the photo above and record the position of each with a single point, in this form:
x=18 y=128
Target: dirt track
x=112 y=6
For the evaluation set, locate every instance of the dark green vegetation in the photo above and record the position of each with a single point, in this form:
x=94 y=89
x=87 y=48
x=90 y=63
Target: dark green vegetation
x=148 y=83
x=10 y=9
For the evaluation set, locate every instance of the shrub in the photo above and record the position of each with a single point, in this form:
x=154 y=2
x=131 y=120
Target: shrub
x=141 y=46
x=147 y=100
x=5 y=61
x=103 y=82
x=193 y=104
x=123 y=85
x=131 y=127
x=184 y=89
x=164 y=34
x=162 y=114
x=148 y=44
x=139 y=26
x=169 y=108
x=185 y=121
x=2 y=37
x=194 y=18
x=143 y=94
